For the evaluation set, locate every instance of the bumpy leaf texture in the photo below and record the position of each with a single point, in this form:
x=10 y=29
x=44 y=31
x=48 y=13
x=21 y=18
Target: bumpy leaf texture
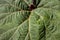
x=29 y=19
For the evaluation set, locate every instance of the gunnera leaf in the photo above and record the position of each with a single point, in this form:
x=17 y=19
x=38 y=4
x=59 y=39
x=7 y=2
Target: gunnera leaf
x=29 y=19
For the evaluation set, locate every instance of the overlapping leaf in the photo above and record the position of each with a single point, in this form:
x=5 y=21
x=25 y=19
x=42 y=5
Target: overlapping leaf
x=18 y=23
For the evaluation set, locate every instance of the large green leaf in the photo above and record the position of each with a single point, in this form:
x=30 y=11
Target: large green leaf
x=49 y=20
x=55 y=4
x=18 y=23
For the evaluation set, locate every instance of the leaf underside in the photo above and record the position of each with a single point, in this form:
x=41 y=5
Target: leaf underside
x=18 y=23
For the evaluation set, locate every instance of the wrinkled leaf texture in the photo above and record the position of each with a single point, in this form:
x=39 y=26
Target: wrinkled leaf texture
x=18 y=23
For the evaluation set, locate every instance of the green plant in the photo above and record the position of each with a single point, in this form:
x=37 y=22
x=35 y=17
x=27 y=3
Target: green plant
x=29 y=19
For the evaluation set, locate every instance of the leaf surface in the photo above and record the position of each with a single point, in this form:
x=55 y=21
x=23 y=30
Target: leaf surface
x=18 y=23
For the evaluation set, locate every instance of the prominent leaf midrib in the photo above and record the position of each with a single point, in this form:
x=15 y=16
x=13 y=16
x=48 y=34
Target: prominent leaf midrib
x=12 y=14
x=27 y=35
x=42 y=8
x=18 y=27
